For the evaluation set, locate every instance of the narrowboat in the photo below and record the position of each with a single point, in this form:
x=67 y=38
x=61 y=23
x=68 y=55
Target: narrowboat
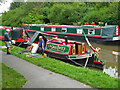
x=70 y=51
x=108 y=34
x=19 y=35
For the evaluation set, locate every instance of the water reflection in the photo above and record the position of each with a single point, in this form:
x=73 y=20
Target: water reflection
x=113 y=72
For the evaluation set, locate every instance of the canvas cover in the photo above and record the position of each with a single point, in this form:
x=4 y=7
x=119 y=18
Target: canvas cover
x=16 y=34
x=108 y=31
x=34 y=37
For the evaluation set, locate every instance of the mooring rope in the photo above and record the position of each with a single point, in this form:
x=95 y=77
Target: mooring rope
x=75 y=62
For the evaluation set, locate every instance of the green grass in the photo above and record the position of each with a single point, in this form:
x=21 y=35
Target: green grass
x=94 y=78
x=0 y=76
x=11 y=79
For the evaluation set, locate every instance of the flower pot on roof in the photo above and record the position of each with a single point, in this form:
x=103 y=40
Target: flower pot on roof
x=93 y=23
x=101 y=23
x=75 y=24
x=79 y=23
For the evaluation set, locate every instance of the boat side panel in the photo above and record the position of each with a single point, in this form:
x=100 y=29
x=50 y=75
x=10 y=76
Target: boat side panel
x=65 y=58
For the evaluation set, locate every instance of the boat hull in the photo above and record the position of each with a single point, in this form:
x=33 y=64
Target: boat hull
x=65 y=58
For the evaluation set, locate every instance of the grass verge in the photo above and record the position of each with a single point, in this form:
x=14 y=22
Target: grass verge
x=11 y=78
x=0 y=76
x=94 y=78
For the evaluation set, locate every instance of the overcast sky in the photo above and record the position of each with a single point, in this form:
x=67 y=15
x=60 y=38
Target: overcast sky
x=5 y=6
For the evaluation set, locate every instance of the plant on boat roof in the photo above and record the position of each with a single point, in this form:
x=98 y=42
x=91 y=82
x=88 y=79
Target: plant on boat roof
x=93 y=23
x=49 y=23
x=86 y=23
x=57 y=24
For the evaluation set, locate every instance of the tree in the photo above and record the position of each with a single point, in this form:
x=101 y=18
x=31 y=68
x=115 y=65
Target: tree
x=15 y=5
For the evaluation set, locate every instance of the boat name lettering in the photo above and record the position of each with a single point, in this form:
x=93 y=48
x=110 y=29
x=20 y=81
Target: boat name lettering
x=56 y=47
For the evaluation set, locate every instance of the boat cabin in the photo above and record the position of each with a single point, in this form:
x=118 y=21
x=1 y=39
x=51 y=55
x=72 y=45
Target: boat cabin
x=65 y=46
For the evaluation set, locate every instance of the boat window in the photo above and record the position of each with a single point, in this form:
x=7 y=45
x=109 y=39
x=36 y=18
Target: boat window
x=42 y=28
x=64 y=29
x=79 y=31
x=91 y=31
x=53 y=29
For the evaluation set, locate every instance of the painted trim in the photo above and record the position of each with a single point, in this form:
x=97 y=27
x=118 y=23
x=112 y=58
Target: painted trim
x=78 y=54
x=65 y=33
x=56 y=52
x=73 y=34
x=59 y=44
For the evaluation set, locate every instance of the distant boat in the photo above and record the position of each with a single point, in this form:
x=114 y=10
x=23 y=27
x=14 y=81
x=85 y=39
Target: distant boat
x=15 y=34
x=109 y=34
x=116 y=53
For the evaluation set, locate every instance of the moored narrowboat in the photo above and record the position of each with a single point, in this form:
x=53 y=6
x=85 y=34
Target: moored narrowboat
x=71 y=51
x=19 y=35
x=108 y=34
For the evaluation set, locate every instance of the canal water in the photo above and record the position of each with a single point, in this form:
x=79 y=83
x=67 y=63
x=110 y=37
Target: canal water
x=110 y=55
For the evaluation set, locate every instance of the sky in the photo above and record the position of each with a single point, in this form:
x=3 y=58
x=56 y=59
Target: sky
x=5 y=6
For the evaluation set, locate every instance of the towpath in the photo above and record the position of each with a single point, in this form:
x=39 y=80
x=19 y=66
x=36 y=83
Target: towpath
x=38 y=77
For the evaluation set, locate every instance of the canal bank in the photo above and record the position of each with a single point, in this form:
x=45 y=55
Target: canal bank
x=93 y=78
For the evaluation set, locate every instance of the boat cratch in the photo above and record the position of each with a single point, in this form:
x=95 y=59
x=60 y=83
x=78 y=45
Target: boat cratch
x=72 y=51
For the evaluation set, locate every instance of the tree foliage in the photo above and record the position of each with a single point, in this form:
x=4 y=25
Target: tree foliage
x=60 y=13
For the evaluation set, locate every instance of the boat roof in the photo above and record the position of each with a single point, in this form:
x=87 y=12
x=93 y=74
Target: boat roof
x=59 y=39
x=65 y=26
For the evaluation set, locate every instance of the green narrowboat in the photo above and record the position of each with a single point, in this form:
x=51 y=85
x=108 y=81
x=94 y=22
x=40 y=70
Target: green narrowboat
x=108 y=33
x=67 y=50
x=71 y=51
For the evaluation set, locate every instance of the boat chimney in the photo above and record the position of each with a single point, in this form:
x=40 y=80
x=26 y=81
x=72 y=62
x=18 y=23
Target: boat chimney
x=66 y=40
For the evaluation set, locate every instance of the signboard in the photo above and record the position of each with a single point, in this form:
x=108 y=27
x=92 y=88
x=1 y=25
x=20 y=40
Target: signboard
x=58 y=48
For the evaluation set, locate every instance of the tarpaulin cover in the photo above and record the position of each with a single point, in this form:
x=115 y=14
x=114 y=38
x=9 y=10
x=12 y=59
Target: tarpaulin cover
x=108 y=31
x=36 y=38
x=16 y=34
